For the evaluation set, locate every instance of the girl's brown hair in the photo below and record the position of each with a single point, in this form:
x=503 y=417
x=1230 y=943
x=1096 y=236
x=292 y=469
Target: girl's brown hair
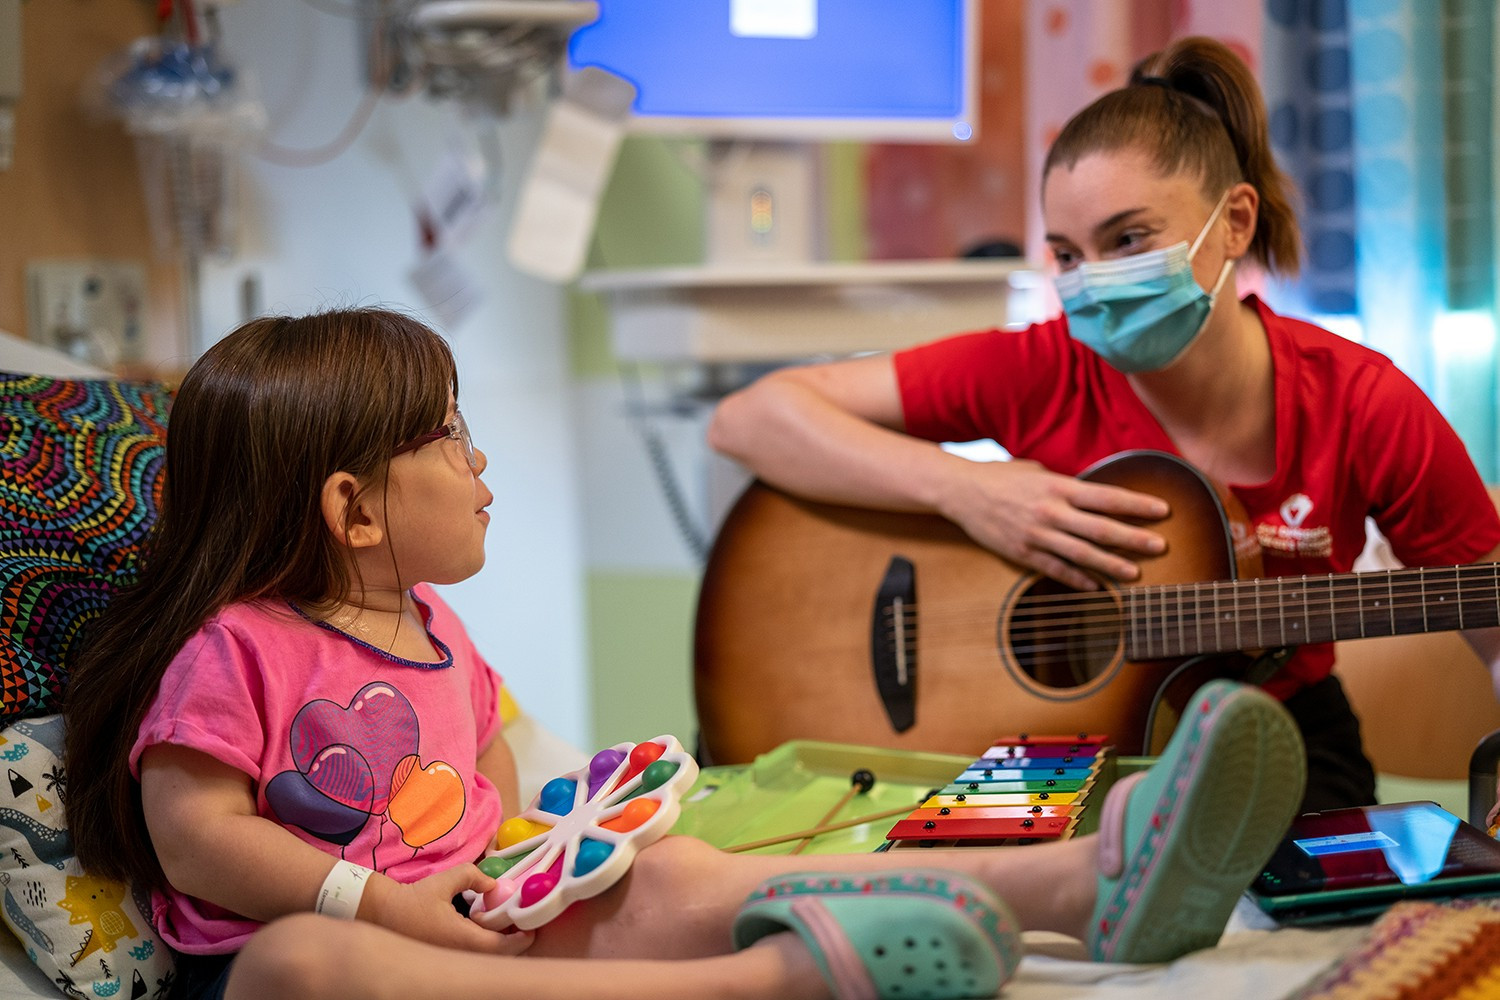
x=1195 y=108
x=260 y=422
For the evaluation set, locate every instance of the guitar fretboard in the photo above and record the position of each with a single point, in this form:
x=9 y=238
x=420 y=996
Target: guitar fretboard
x=1175 y=620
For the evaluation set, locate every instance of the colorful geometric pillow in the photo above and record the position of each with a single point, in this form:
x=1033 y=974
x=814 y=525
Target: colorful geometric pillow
x=88 y=935
x=80 y=485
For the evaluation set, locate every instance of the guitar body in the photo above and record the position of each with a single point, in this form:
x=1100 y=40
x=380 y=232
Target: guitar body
x=796 y=598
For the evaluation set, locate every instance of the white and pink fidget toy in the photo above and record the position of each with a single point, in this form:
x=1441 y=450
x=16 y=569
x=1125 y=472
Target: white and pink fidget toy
x=582 y=831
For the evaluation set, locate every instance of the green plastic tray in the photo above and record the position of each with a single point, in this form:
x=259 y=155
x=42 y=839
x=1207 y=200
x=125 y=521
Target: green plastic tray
x=793 y=787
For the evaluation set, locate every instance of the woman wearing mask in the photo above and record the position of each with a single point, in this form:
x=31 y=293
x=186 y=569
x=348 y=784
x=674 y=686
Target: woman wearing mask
x=1153 y=196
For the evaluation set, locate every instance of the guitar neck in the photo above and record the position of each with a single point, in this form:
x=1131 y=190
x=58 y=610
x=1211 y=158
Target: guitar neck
x=1188 y=619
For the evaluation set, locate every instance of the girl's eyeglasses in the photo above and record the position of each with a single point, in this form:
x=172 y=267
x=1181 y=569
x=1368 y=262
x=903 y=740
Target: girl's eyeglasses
x=457 y=429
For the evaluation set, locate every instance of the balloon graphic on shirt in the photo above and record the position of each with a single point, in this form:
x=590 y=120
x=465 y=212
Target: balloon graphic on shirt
x=379 y=723
x=335 y=812
x=426 y=802
x=346 y=756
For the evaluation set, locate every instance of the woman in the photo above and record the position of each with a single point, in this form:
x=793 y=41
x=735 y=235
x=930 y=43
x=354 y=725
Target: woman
x=1153 y=196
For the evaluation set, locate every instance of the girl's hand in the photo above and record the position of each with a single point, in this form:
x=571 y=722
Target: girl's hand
x=1057 y=525
x=424 y=910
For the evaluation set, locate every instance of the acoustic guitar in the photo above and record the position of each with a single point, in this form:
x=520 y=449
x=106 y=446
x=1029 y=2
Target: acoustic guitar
x=825 y=622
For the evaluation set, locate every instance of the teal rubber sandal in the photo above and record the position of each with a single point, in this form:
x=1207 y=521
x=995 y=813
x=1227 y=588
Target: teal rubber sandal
x=917 y=934
x=1179 y=843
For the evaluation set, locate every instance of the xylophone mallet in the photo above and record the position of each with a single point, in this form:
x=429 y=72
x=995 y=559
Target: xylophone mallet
x=860 y=781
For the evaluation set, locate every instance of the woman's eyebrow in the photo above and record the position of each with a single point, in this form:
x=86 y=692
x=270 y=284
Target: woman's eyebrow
x=1103 y=227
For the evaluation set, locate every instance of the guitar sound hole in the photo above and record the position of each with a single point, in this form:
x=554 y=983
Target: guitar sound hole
x=1062 y=638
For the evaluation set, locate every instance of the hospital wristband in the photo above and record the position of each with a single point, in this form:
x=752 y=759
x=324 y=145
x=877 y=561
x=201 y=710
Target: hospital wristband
x=342 y=890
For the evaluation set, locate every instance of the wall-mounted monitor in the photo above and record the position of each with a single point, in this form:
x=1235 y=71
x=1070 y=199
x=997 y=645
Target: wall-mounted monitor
x=799 y=70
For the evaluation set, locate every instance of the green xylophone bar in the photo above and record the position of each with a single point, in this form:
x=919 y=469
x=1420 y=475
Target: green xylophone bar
x=985 y=800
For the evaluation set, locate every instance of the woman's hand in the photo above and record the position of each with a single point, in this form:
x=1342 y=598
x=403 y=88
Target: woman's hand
x=424 y=910
x=1062 y=527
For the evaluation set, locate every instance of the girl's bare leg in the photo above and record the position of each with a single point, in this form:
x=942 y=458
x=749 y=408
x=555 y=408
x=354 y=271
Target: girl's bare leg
x=681 y=895
x=1232 y=774
x=316 y=958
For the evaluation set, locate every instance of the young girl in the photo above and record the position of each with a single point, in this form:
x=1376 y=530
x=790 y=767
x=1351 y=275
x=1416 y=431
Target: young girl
x=236 y=725
x=1153 y=197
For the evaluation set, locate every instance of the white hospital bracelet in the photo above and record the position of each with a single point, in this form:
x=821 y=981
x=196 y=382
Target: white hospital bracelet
x=342 y=890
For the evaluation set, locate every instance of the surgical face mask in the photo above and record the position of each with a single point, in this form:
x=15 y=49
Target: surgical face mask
x=1140 y=313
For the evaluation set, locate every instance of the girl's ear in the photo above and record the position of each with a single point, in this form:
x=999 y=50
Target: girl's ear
x=349 y=512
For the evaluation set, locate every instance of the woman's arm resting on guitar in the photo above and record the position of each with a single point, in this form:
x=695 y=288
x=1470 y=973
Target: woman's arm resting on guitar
x=835 y=433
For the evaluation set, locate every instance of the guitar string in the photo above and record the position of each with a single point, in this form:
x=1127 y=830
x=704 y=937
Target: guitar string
x=1158 y=646
x=1204 y=617
x=1332 y=581
x=1168 y=628
x=1035 y=618
x=1186 y=608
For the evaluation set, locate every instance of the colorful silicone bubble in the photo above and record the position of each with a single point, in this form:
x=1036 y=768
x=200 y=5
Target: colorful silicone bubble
x=582 y=832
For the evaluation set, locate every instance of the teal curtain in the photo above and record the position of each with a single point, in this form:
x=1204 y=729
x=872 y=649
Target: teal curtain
x=1397 y=96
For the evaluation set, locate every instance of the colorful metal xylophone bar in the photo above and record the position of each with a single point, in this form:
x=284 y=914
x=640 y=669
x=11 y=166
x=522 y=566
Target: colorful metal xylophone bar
x=1022 y=789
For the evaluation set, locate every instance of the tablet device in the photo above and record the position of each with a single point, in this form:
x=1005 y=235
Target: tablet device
x=1347 y=864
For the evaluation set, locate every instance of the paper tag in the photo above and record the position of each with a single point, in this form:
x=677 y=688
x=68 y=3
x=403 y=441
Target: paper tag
x=453 y=197
x=446 y=288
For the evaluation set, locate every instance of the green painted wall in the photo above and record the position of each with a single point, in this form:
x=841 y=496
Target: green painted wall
x=639 y=623
x=651 y=215
x=844 y=195
x=640 y=654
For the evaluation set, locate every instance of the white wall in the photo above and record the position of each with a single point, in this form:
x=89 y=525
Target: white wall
x=344 y=234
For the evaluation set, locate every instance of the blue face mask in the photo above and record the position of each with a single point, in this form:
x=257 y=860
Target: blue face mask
x=1140 y=313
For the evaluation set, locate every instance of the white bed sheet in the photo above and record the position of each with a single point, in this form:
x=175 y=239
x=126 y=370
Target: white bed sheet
x=1248 y=964
x=1254 y=961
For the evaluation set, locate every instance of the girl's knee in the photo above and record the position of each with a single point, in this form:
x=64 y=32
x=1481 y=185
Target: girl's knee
x=677 y=858
x=678 y=868
x=301 y=955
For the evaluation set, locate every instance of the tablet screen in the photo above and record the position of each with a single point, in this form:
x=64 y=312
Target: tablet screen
x=1408 y=843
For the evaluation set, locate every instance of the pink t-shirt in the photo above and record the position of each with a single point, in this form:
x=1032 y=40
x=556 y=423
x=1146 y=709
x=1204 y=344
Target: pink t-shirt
x=365 y=756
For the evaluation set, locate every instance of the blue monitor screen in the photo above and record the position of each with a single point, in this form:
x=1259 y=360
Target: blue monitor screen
x=883 y=68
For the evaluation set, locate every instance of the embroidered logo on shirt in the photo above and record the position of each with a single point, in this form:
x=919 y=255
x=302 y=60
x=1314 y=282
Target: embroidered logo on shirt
x=1296 y=507
x=1291 y=538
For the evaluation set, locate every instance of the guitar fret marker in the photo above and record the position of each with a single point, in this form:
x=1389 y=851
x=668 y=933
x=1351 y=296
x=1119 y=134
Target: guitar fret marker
x=1281 y=605
x=1359 y=589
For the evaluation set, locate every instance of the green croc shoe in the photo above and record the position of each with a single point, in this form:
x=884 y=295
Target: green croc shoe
x=917 y=934
x=1180 y=843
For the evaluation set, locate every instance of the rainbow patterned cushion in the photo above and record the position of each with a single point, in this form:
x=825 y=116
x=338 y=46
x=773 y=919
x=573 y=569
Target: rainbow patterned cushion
x=80 y=483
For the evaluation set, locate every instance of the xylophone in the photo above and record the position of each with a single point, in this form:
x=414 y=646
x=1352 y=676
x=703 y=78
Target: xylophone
x=1021 y=790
